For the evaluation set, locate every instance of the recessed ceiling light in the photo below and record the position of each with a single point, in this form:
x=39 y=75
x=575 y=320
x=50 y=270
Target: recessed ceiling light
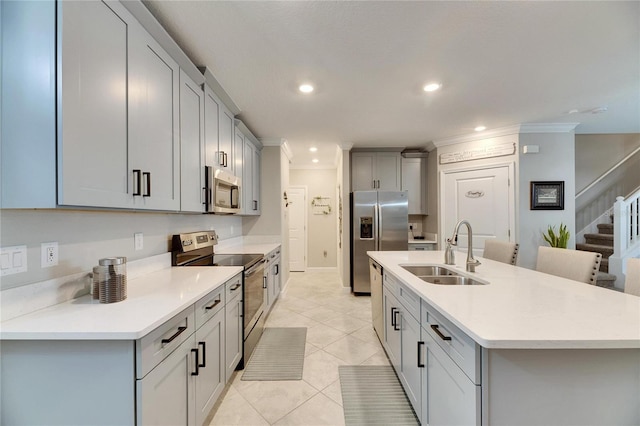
x=432 y=87
x=306 y=88
x=313 y=149
x=315 y=160
x=480 y=128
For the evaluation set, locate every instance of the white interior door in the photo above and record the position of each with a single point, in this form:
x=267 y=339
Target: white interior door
x=297 y=199
x=484 y=198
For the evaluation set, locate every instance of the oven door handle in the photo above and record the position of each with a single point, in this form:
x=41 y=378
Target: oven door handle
x=254 y=268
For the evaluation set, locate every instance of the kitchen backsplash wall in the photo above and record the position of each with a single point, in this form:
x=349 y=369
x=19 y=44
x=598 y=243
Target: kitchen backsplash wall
x=83 y=237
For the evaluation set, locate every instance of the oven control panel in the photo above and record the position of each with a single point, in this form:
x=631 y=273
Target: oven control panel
x=194 y=241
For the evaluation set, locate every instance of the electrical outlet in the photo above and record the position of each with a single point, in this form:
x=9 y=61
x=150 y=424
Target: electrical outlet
x=49 y=254
x=138 y=241
x=411 y=226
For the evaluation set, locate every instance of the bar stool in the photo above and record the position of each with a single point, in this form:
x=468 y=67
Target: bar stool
x=632 y=280
x=575 y=265
x=501 y=251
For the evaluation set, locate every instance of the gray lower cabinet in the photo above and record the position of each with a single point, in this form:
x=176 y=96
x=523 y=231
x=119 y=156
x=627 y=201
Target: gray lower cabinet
x=173 y=375
x=437 y=364
x=234 y=330
x=449 y=396
x=272 y=279
x=167 y=394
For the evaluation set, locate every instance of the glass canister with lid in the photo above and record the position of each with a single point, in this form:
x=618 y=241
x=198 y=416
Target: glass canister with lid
x=110 y=280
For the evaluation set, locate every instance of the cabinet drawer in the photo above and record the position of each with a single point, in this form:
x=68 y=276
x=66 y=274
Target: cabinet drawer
x=209 y=305
x=462 y=349
x=157 y=345
x=233 y=288
x=409 y=300
x=391 y=283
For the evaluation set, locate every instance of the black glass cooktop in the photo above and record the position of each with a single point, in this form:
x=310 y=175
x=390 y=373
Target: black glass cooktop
x=246 y=260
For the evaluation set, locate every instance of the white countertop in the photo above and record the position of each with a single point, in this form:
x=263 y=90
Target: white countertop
x=152 y=299
x=524 y=309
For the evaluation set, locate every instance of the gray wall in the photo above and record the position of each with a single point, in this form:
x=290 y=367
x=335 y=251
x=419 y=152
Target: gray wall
x=554 y=162
x=595 y=154
x=85 y=236
x=321 y=229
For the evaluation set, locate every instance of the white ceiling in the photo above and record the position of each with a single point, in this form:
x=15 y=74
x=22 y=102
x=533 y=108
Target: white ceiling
x=500 y=63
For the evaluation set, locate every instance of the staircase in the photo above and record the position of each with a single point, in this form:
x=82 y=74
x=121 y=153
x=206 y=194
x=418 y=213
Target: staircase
x=602 y=243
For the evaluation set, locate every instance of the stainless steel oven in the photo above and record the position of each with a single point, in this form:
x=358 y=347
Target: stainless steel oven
x=196 y=249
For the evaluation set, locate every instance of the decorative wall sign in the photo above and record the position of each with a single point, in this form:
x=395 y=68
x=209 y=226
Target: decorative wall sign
x=321 y=205
x=474 y=194
x=475 y=154
x=547 y=195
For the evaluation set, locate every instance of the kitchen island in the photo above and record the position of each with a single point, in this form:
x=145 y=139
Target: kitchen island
x=523 y=348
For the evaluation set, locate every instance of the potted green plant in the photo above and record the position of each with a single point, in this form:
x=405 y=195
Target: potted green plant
x=560 y=240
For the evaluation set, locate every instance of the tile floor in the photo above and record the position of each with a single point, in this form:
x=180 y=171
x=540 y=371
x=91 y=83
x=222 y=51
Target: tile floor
x=339 y=332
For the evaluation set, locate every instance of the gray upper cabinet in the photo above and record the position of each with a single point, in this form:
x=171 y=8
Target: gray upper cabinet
x=117 y=110
x=191 y=145
x=414 y=180
x=251 y=169
x=154 y=156
x=227 y=130
x=375 y=170
x=93 y=139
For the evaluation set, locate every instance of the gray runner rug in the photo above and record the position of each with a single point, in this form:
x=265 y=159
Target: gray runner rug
x=279 y=355
x=373 y=395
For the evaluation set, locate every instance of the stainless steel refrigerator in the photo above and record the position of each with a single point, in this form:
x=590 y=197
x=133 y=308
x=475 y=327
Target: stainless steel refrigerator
x=379 y=222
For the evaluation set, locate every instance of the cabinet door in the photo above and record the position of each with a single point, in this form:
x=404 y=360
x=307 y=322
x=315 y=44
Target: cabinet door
x=92 y=142
x=268 y=290
x=211 y=127
x=247 y=178
x=238 y=159
x=191 y=145
x=233 y=335
x=449 y=397
x=392 y=341
x=211 y=380
x=227 y=130
x=414 y=182
x=257 y=164
x=387 y=171
x=165 y=396
x=410 y=372
x=363 y=171
x=153 y=124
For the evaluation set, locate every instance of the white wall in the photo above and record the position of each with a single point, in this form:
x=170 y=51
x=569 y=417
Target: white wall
x=321 y=228
x=85 y=236
x=554 y=162
x=346 y=218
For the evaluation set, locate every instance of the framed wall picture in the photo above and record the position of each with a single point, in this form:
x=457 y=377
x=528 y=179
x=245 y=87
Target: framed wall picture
x=547 y=195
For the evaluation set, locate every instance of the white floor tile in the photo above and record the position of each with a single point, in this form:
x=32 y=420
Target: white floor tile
x=322 y=335
x=351 y=350
x=319 y=410
x=235 y=410
x=321 y=369
x=274 y=400
x=334 y=391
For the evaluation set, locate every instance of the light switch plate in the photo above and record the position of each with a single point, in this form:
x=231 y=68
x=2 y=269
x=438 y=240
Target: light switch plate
x=138 y=241
x=13 y=260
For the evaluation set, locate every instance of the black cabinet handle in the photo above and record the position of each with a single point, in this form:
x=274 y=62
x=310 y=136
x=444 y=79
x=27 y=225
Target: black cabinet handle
x=277 y=268
x=255 y=204
x=206 y=193
x=176 y=334
x=137 y=182
x=216 y=303
x=396 y=324
x=225 y=160
x=195 y=364
x=420 y=364
x=221 y=158
x=148 y=176
x=436 y=328
x=264 y=282
x=393 y=318
x=204 y=354
x=235 y=287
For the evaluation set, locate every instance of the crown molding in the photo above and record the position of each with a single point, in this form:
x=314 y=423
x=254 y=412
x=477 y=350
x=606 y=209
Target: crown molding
x=345 y=146
x=548 y=127
x=471 y=137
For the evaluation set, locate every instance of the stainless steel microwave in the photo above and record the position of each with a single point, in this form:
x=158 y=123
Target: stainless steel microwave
x=222 y=192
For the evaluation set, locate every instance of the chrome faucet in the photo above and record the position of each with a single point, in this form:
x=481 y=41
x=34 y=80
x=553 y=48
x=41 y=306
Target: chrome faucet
x=471 y=262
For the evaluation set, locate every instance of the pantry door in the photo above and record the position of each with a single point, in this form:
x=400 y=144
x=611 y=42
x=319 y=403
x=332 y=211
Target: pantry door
x=485 y=198
x=296 y=198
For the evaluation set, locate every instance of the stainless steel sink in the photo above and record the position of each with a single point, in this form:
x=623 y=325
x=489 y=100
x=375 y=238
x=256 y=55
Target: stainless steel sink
x=429 y=270
x=434 y=274
x=450 y=280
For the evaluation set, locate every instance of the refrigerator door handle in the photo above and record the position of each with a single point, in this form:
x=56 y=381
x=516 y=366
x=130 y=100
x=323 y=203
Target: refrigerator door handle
x=376 y=227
